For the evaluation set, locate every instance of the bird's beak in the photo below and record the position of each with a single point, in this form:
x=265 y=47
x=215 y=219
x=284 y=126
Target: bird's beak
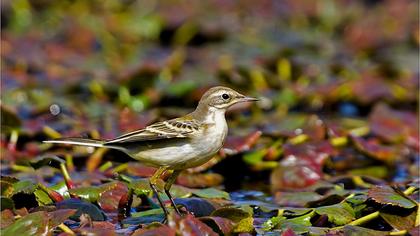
x=243 y=98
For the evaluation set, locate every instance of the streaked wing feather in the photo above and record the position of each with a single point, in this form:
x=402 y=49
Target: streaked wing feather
x=162 y=130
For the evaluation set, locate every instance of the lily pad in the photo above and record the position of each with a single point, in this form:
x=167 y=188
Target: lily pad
x=33 y=224
x=82 y=208
x=211 y=193
x=400 y=222
x=161 y=230
x=387 y=195
x=6 y=203
x=244 y=220
x=220 y=225
x=7 y=218
x=190 y=225
x=200 y=207
x=339 y=214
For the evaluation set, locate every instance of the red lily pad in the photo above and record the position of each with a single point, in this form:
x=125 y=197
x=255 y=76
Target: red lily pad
x=376 y=150
x=302 y=165
x=189 y=225
x=395 y=126
x=7 y=218
x=235 y=145
x=109 y=199
x=220 y=225
x=200 y=180
x=161 y=230
x=138 y=169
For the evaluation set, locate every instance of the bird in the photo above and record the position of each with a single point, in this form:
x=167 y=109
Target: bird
x=176 y=144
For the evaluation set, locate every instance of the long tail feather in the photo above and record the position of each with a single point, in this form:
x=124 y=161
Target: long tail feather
x=77 y=141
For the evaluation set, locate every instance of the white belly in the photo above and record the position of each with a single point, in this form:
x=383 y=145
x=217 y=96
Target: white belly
x=195 y=153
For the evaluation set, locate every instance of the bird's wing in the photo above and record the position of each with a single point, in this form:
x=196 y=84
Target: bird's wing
x=176 y=128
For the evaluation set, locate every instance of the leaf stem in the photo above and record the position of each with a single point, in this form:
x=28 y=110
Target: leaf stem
x=69 y=162
x=66 y=229
x=365 y=218
x=401 y=232
x=66 y=175
x=410 y=190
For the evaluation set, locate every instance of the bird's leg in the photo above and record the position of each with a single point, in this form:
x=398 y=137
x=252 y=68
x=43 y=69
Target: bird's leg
x=168 y=186
x=152 y=181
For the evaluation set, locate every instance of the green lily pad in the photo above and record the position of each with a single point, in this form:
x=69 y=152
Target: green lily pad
x=42 y=161
x=298 y=224
x=388 y=195
x=24 y=186
x=7 y=185
x=32 y=224
x=211 y=193
x=244 y=221
x=6 y=203
x=339 y=214
x=42 y=197
x=92 y=193
x=140 y=187
x=350 y=230
x=400 y=222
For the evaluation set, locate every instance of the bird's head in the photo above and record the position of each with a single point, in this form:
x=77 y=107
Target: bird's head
x=222 y=98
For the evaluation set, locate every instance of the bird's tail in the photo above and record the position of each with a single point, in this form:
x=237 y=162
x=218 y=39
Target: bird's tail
x=77 y=141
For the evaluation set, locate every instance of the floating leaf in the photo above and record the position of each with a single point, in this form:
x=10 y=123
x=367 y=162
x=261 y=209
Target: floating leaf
x=9 y=119
x=244 y=220
x=42 y=197
x=302 y=165
x=141 y=170
x=296 y=199
x=190 y=225
x=6 y=203
x=161 y=230
x=199 y=207
x=376 y=150
x=220 y=225
x=140 y=187
x=59 y=216
x=7 y=218
x=42 y=161
x=92 y=193
x=339 y=214
x=109 y=199
x=7 y=185
x=357 y=230
x=82 y=208
x=211 y=193
x=235 y=145
x=399 y=222
x=200 y=180
x=387 y=195
x=394 y=126
x=33 y=224
x=24 y=186
x=298 y=224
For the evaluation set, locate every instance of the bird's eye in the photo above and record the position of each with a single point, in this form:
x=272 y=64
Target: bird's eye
x=225 y=96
